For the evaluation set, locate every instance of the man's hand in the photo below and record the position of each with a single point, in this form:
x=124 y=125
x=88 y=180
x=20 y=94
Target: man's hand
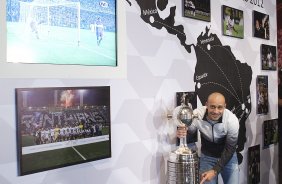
x=181 y=131
x=208 y=176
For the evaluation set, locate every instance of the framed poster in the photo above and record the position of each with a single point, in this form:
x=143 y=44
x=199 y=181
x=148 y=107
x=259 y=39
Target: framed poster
x=261 y=25
x=62 y=32
x=270 y=132
x=197 y=9
x=185 y=98
x=232 y=22
x=254 y=164
x=262 y=94
x=268 y=57
x=62 y=126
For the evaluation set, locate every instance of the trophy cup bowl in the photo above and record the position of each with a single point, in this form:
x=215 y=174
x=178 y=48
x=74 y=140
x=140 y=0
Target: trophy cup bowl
x=183 y=163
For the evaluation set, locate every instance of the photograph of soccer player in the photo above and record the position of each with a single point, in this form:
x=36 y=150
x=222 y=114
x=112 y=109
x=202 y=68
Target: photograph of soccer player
x=197 y=9
x=268 y=57
x=270 y=132
x=261 y=25
x=262 y=94
x=232 y=22
x=254 y=164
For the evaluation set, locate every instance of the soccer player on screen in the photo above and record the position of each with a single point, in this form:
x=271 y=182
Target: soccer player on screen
x=99 y=30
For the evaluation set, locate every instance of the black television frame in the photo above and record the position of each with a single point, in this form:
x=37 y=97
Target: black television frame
x=38 y=108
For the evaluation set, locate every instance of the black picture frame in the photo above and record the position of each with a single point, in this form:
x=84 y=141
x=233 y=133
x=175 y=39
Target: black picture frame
x=262 y=94
x=254 y=164
x=62 y=126
x=197 y=9
x=62 y=33
x=261 y=25
x=270 y=133
x=268 y=57
x=232 y=22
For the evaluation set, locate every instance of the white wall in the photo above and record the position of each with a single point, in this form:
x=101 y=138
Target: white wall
x=157 y=67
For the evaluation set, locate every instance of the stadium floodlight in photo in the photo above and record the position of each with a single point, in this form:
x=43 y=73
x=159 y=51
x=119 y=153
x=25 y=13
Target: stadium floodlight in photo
x=232 y=22
x=68 y=32
x=62 y=126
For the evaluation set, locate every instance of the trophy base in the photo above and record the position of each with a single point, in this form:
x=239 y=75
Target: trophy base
x=183 y=167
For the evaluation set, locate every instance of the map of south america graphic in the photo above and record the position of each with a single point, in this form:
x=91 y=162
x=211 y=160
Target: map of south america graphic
x=217 y=69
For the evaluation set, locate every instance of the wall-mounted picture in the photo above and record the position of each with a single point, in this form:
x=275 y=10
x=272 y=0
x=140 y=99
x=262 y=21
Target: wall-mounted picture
x=81 y=32
x=254 y=164
x=185 y=98
x=261 y=25
x=268 y=57
x=197 y=9
x=262 y=94
x=62 y=126
x=270 y=132
x=232 y=22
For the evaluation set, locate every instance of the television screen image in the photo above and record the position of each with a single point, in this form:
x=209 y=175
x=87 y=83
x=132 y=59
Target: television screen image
x=62 y=126
x=67 y=32
x=197 y=9
x=232 y=22
x=268 y=57
x=261 y=25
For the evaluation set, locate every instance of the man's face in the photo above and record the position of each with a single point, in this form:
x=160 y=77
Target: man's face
x=215 y=106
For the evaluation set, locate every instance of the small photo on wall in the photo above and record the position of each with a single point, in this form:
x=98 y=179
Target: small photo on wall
x=262 y=94
x=270 y=132
x=254 y=164
x=197 y=9
x=261 y=25
x=268 y=57
x=232 y=22
x=185 y=98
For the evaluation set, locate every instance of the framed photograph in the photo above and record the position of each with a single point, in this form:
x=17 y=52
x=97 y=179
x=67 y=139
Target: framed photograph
x=261 y=25
x=185 y=98
x=62 y=126
x=262 y=94
x=270 y=132
x=197 y=9
x=254 y=164
x=268 y=57
x=232 y=22
x=62 y=32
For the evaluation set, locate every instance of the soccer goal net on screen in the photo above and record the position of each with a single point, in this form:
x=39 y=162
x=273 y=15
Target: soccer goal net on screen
x=57 y=20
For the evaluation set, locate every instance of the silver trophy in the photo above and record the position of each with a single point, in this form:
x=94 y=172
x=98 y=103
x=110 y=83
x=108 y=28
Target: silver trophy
x=183 y=163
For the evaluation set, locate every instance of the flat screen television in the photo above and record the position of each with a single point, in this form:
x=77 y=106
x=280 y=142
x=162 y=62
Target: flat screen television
x=62 y=126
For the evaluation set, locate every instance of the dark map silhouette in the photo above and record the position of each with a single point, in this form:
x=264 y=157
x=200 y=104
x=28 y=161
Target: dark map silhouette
x=216 y=69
